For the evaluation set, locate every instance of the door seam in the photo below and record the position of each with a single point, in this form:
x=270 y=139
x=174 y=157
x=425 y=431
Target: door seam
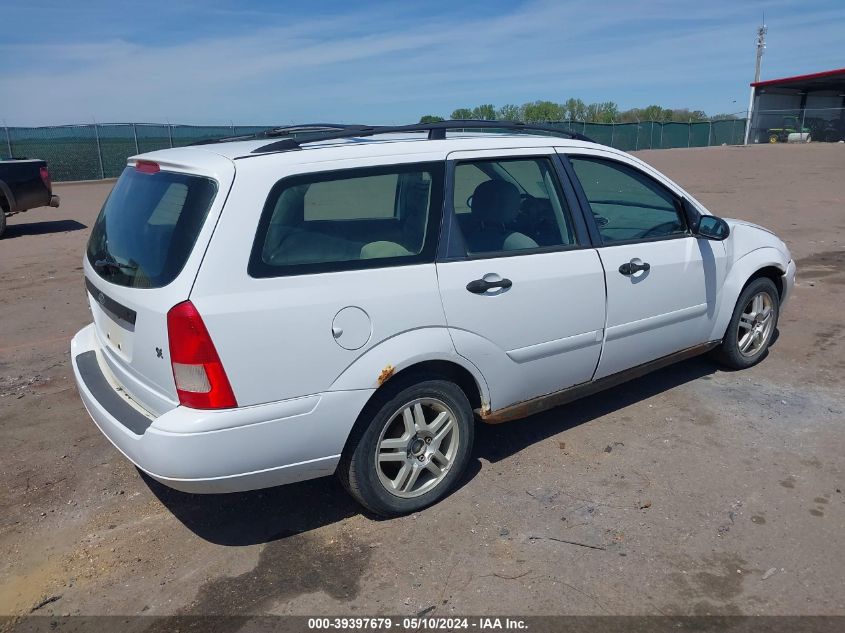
x=604 y=325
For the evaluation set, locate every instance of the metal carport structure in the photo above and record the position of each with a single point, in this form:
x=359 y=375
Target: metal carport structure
x=812 y=105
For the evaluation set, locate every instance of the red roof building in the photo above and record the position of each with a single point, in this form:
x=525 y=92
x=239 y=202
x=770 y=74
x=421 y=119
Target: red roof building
x=811 y=106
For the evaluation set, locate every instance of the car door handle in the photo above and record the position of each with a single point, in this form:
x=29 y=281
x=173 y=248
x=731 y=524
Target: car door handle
x=479 y=286
x=633 y=267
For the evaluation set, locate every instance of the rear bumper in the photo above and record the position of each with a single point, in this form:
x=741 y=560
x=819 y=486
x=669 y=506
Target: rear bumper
x=218 y=451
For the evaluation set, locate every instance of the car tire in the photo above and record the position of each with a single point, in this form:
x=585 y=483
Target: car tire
x=752 y=326
x=404 y=436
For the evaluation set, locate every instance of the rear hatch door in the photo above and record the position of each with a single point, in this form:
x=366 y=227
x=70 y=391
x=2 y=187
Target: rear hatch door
x=142 y=259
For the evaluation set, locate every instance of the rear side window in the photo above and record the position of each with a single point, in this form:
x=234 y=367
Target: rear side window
x=368 y=197
x=148 y=227
x=627 y=204
x=355 y=218
x=510 y=205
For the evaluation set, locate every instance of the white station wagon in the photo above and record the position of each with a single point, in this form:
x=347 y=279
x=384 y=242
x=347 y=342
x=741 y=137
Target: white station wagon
x=353 y=299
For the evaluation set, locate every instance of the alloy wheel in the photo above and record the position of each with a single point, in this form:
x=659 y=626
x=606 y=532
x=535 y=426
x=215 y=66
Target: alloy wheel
x=417 y=447
x=756 y=324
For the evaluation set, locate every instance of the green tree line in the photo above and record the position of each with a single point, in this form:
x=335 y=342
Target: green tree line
x=574 y=110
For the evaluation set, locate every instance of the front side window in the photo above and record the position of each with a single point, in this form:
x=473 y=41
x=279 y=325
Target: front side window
x=510 y=205
x=355 y=218
x=627 y=204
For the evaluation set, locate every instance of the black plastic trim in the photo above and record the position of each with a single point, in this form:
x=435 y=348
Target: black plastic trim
x=583 y=203
x=286 y=130
x=436 y=131
x=116 y=310
x=105 y=394
x=451 y=245
x=648 y=240
x=582 y=230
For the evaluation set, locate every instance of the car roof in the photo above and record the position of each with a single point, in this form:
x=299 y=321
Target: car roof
x=383 y=145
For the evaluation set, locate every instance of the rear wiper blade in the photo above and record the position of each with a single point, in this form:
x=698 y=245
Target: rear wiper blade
x=110 y=263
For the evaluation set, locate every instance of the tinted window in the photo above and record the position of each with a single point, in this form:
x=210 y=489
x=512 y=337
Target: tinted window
x=355 y=218
x=467 y=177
x=148 y=227
x=510 y=205
x=352 y=198
x=627 y=204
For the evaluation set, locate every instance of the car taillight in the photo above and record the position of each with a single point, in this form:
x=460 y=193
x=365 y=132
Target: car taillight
x=45 y=178
x=147 y=167
x=200 y=379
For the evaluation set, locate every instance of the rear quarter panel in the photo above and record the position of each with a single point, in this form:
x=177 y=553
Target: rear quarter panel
x=274 y=335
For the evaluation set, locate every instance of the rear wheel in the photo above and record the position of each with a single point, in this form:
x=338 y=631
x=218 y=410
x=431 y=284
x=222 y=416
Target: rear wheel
x=773 y=138
x=752 y=325
x=412 y=451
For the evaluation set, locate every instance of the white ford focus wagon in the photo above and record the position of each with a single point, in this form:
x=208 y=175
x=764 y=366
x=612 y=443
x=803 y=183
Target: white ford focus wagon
x=353 y=299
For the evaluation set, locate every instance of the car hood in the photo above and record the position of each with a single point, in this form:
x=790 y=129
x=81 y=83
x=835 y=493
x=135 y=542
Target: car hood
x=734 y=223
x=747 y=236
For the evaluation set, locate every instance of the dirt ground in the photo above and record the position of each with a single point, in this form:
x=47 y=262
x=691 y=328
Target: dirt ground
x=697 y=490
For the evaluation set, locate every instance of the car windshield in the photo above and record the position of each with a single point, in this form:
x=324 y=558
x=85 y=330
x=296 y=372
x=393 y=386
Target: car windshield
x=148 y=226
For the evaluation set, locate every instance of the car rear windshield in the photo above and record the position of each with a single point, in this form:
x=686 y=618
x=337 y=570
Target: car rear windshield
x=148 y=226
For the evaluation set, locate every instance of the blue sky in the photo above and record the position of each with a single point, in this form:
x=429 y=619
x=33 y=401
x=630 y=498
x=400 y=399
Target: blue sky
x=221 y=61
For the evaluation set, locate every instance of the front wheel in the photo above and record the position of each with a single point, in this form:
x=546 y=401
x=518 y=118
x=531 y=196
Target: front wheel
x=752 y=325
x=412 y=451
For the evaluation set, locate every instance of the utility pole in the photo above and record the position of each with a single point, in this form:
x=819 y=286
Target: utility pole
x=761 y=46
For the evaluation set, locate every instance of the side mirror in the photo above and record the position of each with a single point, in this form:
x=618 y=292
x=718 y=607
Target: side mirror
x=712 y=228
x=707 y=226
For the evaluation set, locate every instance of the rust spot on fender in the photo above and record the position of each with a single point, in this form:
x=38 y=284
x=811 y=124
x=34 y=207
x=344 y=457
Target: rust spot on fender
x=385 y=374
x=484 y=411
x=513 y=412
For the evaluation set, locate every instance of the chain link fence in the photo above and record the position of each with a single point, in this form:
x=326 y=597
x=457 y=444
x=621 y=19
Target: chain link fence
x=96 y=151
x=92 y=152
x=631 y=137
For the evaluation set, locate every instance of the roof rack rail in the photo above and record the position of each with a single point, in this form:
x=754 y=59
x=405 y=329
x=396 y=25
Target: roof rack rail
x=285 y=130
x=436 y=131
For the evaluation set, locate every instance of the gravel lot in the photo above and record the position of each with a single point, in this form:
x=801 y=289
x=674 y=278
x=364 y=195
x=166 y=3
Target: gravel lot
x=690 y=491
